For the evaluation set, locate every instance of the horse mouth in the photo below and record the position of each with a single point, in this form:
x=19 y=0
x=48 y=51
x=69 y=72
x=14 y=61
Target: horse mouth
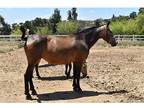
x=114 y=44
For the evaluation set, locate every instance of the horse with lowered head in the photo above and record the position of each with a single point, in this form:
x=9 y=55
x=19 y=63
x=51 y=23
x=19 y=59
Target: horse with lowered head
x=63 y=50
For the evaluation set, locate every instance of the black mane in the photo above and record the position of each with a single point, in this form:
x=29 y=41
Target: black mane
x=85 y=30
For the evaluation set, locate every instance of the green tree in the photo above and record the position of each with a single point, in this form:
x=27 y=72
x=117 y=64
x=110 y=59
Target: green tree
x=141 y=10
x=67 y=27
x=29 y=25
x=140 y=23
x=16 y=28
x=74 y=14
x=5 y=28
x=69 y=15
x=54 y=19
x=38 y=22
x=113 y=18
x=133 y=15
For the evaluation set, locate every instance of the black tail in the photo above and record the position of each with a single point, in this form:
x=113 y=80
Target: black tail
x=23 y=30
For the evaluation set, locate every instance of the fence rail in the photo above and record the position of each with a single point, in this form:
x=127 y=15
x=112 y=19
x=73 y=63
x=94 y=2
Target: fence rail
x=118 y=37
x=10 y=38
x=130 y=37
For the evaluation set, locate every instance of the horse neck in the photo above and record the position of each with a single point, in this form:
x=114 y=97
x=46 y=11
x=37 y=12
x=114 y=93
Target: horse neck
x=91 y=38
x=96 y=35
x=91 y=35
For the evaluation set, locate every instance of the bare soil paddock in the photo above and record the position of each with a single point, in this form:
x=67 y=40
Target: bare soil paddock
x=115 y=75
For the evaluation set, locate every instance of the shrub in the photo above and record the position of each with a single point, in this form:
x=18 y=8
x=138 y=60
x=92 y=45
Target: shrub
x=67 y=27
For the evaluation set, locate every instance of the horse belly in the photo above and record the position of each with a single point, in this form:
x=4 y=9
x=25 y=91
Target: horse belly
x=59 y=58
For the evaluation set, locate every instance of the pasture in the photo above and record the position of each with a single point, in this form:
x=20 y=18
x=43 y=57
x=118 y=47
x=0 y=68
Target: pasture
x=115 y=75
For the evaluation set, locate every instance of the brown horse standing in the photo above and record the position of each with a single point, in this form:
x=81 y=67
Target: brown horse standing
x=63 y=50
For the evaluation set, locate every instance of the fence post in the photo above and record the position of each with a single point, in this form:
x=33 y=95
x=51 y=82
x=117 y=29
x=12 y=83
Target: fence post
x=118 y=37
x=133 y=37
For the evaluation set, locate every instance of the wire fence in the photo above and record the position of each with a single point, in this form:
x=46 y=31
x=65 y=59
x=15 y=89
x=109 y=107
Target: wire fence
x=118 y=37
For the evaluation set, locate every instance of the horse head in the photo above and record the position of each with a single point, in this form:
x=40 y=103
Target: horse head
x=106 y=34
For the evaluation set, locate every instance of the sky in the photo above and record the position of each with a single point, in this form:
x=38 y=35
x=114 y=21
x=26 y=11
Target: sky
x=17 y=15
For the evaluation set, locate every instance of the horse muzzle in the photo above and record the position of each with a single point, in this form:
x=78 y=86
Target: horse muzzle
x=114 y=44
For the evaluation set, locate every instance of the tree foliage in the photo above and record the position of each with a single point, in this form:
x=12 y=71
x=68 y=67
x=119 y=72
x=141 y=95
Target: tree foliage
x=5 y=28
x=69 y=15
x=133 y=15
x=130 y=26
x=54 y=19
x=72 y=14
x=141 y=10
x=67 y=27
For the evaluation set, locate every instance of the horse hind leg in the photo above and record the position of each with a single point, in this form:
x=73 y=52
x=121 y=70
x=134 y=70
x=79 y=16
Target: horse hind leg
x=37 y=72
x=84 y=70
x=67 y=73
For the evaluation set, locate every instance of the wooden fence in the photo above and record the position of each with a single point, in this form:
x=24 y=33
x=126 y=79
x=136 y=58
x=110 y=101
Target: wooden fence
x=118 y=37
x=130 y=37
x=10 y=38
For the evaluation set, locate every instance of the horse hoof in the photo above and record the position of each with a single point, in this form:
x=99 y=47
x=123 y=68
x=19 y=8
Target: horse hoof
x=87 y=76
x=68 y=77
x=39 y=77
x=34 y=92
x=78 y=90
x=28 y=97
x=84 y=76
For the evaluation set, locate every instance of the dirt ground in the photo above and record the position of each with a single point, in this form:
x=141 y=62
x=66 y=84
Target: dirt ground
x=115 y=75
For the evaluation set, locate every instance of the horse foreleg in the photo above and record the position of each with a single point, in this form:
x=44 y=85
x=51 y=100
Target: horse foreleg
x=32 y=86
x=76 y=79
x=27 y=77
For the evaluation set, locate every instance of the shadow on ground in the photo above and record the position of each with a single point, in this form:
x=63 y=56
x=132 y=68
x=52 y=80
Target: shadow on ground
x=66 y=95
x=52 y=78
x=46 y=65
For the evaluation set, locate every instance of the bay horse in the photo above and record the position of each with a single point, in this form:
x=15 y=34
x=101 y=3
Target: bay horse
x=63 y=50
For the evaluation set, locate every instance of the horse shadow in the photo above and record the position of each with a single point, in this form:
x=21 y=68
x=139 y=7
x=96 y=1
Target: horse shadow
x=66 y=95
x=46 y=65
x=52 y=78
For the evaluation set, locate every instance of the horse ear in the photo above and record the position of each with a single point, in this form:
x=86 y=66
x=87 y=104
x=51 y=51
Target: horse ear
x=108 y=23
